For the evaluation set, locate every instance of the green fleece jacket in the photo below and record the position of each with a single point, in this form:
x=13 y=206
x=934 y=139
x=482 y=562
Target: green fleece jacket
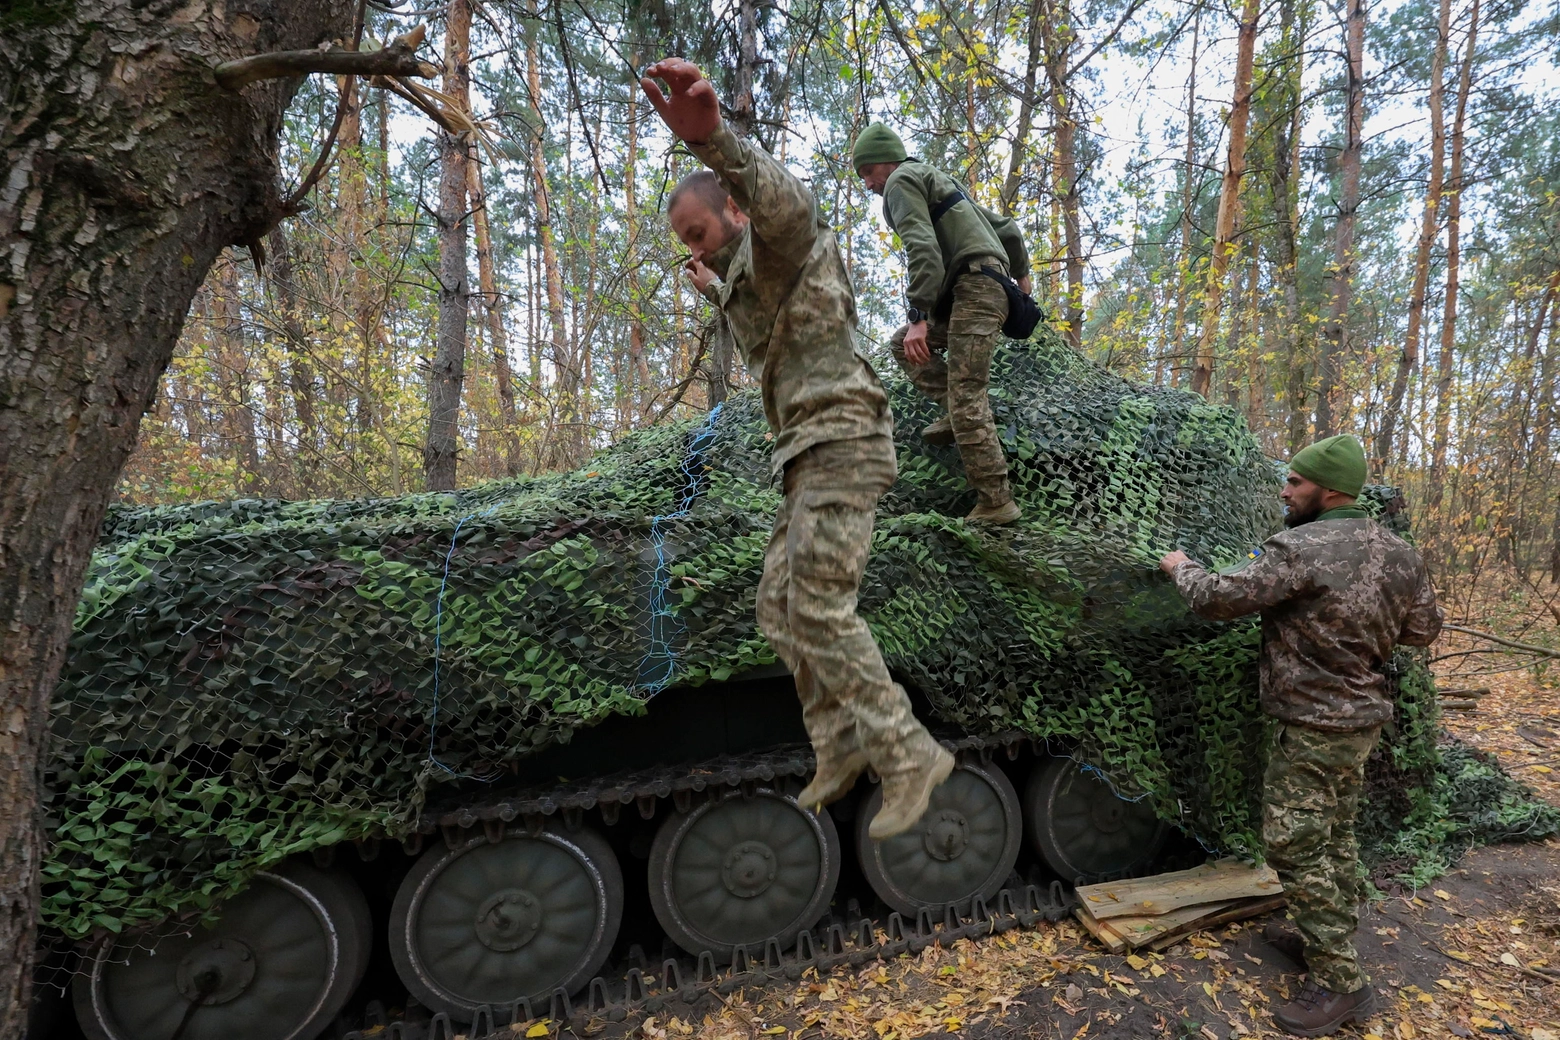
x=965 y=232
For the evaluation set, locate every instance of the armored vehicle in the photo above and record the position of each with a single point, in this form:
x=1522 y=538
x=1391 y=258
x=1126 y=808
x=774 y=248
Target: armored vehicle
x=465 y=737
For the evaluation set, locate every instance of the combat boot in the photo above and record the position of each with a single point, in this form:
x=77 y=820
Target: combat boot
x=833 y=780
x=1318 y=1012
x=995 y=509
x=939 y=432
x=907 y=793
x=1279 y=936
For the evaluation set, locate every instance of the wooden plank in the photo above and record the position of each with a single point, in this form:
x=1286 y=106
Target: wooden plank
x=1218 y=882
x=1140 y=931
x=1103 y=933
x=1238 y=912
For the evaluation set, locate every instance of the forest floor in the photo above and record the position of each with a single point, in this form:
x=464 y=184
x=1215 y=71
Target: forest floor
x=1475 y=955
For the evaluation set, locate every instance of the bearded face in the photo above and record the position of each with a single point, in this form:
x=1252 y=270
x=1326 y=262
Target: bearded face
x=1303 y=499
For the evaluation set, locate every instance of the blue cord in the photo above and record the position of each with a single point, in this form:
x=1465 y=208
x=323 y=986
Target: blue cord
x=659 y=665
x=661 y=615
x=438 y=656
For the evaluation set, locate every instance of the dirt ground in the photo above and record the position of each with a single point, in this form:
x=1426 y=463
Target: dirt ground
x=1477 y=954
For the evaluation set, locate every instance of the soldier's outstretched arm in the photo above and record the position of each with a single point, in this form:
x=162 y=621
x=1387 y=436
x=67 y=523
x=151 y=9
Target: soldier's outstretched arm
x=1423 y=623
x=780 y=206
x=1270 y=579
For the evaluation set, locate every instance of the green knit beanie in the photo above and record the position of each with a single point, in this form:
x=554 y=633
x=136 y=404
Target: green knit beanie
x=877 y=143
x=1337 y=463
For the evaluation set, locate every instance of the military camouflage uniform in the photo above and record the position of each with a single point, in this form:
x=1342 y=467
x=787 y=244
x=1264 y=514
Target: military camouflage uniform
x=959 y=383
x=792 y=312
x=945 y=257
x=1335 y=595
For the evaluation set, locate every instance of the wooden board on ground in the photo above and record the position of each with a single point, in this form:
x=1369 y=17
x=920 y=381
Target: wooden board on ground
x=1220 y=882
x=1235 y=912
x=1120 y=934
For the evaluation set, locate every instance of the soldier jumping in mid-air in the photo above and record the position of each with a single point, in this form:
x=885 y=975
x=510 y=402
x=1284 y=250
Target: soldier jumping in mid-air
x=792 y=312
x=958 y=254
x=1335 y=592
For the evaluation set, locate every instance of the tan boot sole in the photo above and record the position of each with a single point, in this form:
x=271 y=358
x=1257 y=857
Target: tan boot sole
x=997 y=517
x=938 y=437
x=825 y=789
x=885 y=825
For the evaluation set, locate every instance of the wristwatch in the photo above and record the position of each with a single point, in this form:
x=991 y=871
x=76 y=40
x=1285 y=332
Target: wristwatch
x=916 y=314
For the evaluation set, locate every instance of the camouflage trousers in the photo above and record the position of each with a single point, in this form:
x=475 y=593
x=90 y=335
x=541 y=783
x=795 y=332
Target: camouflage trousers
x=1310 y=800
x=807 y=606
x=959 y=371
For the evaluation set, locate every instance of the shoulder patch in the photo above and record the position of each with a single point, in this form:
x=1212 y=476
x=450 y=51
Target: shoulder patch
x=1253 y=554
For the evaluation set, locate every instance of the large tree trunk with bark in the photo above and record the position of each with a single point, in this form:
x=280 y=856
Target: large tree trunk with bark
x=1229 y=201
x=449 y=361
x=127 y=171
x=1428 y=224
x=1335 y=331
x=1060 y=35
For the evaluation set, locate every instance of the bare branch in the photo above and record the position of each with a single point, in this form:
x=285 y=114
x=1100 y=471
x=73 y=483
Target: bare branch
x=1530 y=648
x=398 y=59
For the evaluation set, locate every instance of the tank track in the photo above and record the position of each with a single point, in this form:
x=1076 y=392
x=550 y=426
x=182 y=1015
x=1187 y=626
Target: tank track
x=686 y=980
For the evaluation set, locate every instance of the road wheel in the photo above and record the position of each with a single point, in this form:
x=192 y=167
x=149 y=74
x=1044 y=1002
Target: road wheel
x=741 y=869
x=278 y=964
x=491 y=922
x=964 y=846
x=1080 y=827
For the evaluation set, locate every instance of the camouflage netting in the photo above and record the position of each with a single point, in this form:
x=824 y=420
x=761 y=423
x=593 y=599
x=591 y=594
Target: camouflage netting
x=250 y=680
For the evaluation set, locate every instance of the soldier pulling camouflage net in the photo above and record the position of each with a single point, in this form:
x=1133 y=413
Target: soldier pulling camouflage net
x=1336 y=593
x=251 y=681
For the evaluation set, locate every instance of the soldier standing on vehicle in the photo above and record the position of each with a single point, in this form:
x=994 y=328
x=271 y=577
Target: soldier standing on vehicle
x=792 y=312
x=1336 y=591
x=955 y=250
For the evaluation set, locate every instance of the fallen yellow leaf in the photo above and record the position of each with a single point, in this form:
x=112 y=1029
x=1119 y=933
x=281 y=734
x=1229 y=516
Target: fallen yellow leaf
x=1442 y=893
x=1373 y=1036
x=1507 y=958
x=775 y=1031
x=1136 y=962
x=1542 y=769
x=540 y=1029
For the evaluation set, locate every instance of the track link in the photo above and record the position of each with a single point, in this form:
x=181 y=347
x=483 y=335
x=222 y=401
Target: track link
x=687 y=980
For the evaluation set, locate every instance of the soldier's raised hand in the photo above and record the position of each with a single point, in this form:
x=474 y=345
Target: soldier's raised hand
x=693 y=110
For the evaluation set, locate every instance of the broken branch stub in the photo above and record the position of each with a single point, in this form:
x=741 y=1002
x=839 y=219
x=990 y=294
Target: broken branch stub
x=398 y=59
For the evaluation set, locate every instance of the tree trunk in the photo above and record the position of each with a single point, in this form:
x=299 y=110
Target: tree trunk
x=238 y=416
x=1060 y=36
x=300 y=374
x=493 y=303
x=1026 y=112
x=744 y=107
x=1335 y=332
x=1229 y=201
x=1446 y=363
x=114 y=207
x=1183 y=288
x=1428 y=225
x=568 y=446
x=638 y=363
x=449 y=361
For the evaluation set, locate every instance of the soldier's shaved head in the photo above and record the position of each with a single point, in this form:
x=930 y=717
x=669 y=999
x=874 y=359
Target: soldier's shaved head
x=702 y=185
x=704 y=214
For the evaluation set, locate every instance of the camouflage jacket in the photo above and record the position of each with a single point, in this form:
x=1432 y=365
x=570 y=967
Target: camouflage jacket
x=1335 y=595
x=791 y=306
x=938 y=251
